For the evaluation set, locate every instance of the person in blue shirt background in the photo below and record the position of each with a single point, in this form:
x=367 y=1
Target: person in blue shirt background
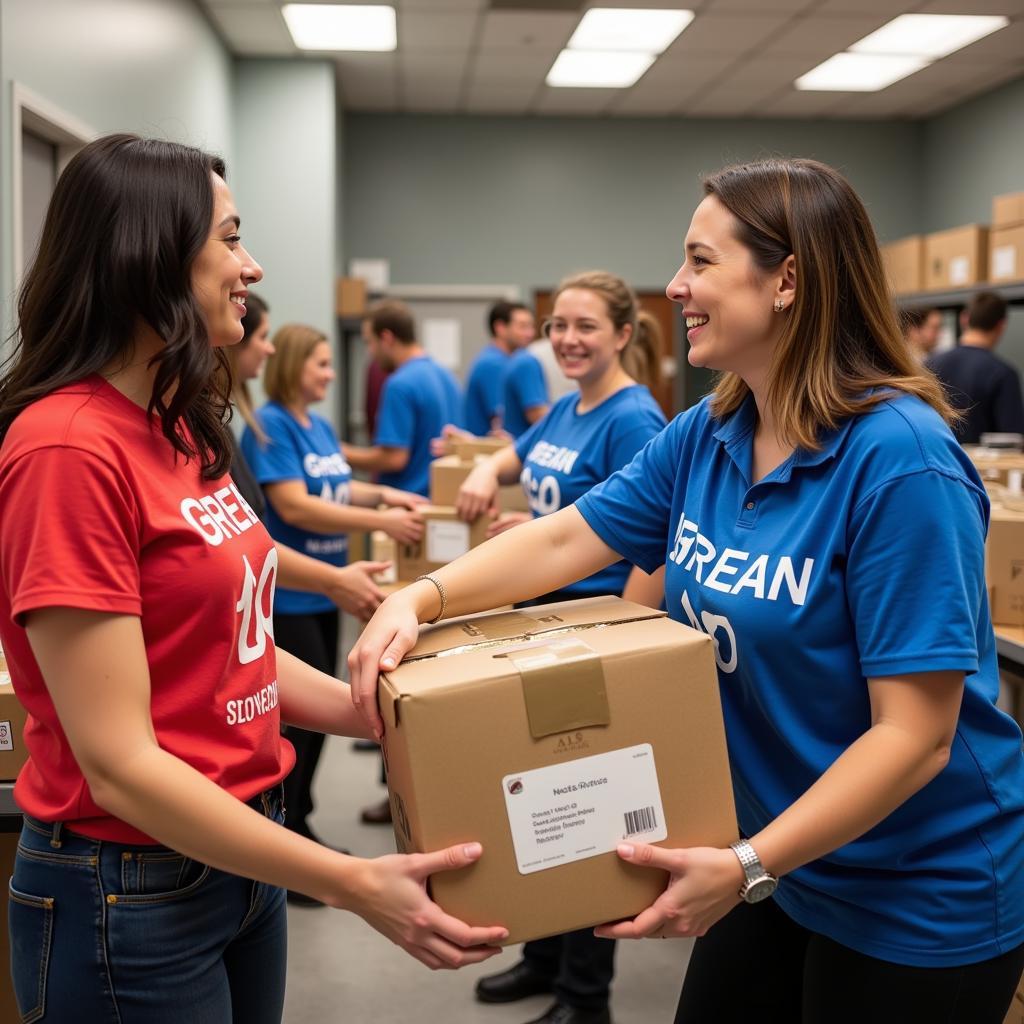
x=512 y=327
x=817 y=518
x=419 y=398
x=524 y=392
x=595 y=326
x=312 y=505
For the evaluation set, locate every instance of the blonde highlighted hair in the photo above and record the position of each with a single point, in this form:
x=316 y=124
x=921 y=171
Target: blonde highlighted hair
x=641 y=358
x=293 y=345
x=841 y=351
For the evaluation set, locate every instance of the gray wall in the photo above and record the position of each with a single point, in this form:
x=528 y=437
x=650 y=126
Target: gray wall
x=474 y=200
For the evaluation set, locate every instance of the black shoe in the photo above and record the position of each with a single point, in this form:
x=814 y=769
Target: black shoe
x=518 y=982
x=377 y=814
x=300 y=899
x=562 y=1013
x=365 y=746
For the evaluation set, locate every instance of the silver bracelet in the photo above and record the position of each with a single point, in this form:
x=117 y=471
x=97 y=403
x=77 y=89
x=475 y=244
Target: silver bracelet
x=440 y=589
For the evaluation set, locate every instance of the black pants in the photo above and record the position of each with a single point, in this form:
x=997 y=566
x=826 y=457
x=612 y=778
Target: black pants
x=757 y=964
x=312 y=638
x=580 y=965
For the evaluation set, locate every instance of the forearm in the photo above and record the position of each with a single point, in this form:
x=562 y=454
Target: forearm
x=313 y=700
x=316 y=516
x=300 y=572
x=375 y=459
x=169 y=800
x=366 y=495
x=643 y=589
x=506 y=465
x=873 y=776
x=535 y=558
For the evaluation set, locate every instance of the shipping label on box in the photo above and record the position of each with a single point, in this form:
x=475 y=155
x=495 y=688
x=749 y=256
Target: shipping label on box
x=1006 y=254
x=956 y=258
x=445 y=538
x=550 y=734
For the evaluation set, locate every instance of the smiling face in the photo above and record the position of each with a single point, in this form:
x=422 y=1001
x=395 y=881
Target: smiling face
x=253 y=354
x=223 y=270
x=584 y=338
x=728 y=302
x=317 y=374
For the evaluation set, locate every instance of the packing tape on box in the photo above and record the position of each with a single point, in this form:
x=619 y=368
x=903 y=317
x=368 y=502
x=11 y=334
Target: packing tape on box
x=563 y=686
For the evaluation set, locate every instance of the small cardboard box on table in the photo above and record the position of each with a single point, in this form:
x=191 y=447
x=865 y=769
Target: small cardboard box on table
x=445 y=538
x=551 y=734
x=448 y=473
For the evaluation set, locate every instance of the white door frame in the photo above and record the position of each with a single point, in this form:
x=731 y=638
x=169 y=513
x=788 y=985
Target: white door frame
x=31 y=111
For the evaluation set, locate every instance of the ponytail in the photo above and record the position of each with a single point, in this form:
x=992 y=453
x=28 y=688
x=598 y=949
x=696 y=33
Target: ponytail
x=641 y=358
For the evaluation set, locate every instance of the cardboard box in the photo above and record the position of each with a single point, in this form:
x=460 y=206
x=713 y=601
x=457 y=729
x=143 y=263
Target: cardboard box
x=1004 y=565
x=12 y=728
x=350 y=296
x=468 y=448
x=995 y=466
x=904 y=264
x=448 y=473
x=1008 y=210
x=957 y=258
x=445 y=538
x=586 y=723
x=1006 y=254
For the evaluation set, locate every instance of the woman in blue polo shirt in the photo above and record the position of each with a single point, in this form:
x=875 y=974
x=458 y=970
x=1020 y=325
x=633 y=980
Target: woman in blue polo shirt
x=582 y=440
x=312 y=505
x=817 y=518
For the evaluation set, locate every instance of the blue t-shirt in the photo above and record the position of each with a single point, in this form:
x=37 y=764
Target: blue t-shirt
x=523 y=387
x=860 y=560
x=566 y=453
x=483 y=390
x=310 y=455
x=418 y=399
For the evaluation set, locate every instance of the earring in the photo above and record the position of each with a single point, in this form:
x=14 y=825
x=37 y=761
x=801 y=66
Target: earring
x=779 y=305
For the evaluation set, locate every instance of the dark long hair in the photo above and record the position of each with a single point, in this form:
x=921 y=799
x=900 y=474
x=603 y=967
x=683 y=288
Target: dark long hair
x=126 y=222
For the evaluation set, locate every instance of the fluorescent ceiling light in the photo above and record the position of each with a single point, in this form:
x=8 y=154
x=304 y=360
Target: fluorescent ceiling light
x=341 y=27
x=596 y=69
x=859 y=72
x=929 y=35
x=612 y=29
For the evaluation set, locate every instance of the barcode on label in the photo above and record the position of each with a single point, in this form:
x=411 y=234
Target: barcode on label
x=642 y=820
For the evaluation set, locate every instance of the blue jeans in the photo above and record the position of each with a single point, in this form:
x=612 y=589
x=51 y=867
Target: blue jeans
x=104 y=933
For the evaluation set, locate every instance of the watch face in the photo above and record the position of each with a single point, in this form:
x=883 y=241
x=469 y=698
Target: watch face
x=760 y=889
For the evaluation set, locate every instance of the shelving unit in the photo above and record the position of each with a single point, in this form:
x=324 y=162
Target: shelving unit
x=958 y=298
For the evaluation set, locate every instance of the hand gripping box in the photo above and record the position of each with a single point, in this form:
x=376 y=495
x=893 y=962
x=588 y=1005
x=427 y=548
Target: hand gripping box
x=448 y=473
x=551 y=734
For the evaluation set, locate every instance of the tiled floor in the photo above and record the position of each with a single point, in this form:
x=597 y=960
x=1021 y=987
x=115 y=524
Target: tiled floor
x=341 y=970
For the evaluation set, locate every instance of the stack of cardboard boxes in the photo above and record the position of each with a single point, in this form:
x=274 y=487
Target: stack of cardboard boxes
x=1006 y=244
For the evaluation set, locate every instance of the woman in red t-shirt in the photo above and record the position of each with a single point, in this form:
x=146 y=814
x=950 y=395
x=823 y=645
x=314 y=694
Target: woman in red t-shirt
x=136 y=595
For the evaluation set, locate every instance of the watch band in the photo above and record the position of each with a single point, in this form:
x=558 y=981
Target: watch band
x=749 y=860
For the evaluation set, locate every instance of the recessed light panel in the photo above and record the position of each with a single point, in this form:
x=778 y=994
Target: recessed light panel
x=595 y=69
x=341 y=26
x=929 y=35
x=641 y=31
x=859 y=72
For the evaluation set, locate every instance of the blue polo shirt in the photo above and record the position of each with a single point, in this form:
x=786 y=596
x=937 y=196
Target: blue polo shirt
x=567 y=453
x=862 y=559
x=418 y=399
x=312 y=456
x=484 y=390
x=523 y=387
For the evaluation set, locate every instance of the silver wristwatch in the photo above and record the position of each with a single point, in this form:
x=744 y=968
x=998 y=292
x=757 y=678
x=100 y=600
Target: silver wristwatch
x=759 y=884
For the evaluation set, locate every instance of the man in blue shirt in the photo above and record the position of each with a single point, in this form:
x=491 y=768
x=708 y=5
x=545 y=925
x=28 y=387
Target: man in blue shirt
x=525 y=393
x=512 y=327
x=418 y=399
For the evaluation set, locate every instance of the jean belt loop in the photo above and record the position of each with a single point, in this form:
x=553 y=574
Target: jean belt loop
x=55 y=840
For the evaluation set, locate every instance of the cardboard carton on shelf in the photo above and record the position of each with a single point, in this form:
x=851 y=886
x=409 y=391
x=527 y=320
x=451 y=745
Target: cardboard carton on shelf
x=448 y=473
x=1004 y=565
x=551 y=734
x=350 y=295
x=904 y=264
x=445 y=538
x=1006 y=254
x=957 y=258
x=995 y=466
x=1008 y=210
x=12 y=727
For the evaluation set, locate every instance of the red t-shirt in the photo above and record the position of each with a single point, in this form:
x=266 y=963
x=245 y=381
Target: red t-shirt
x=100 y=513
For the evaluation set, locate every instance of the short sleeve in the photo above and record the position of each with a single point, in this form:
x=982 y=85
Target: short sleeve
x=396 y=420
x=631 y=510
x=528 y=384
x=626 y=443
x=81 y=547
x=274 y=459
x=915 y=575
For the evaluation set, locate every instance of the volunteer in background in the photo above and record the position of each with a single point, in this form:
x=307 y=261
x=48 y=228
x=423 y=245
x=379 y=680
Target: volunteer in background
x=419 y=398
x=982 y=387
x=312 y=504
x=817 y=517
x=524 y=392
x=146 y=663
x=921 y=327
x=595 y=328
x=350 y=587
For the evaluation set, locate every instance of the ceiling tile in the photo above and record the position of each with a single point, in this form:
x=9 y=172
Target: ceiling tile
x=430 y=95
x=756 y=6
x=441 y=5
x=252 y=31
x=640 y=106
x=672 y=82
x=797 y=103
x=573 y=101
x=505 y=65
x=247 y=4
x=1010 y=7
x=495 y=104
x=539 y=30
x=890 y=8
x=719 y=33
x=1004 y=46
x=434 y=64
x=720 y=106
x=821 y=37
x=436 y=30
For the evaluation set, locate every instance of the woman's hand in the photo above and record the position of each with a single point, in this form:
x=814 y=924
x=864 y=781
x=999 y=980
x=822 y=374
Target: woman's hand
x=395 y=498
x=477 y=493
x=506 y=521
x=439 y=445
x=392 y=898
x=353 y=590
x=402 y=524
x=704 y=884
x=391 y=632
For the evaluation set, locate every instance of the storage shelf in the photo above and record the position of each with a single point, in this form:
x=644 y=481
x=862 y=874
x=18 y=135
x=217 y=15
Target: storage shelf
x=1012 y=291
x=7 y=804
